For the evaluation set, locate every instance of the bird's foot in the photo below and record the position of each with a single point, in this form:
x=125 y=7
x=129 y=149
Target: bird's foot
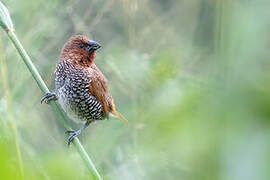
x=73 y=135
x=48 y=97
x=76 y=133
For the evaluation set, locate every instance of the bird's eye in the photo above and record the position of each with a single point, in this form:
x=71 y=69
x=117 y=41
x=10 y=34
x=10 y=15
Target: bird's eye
x=81 y=45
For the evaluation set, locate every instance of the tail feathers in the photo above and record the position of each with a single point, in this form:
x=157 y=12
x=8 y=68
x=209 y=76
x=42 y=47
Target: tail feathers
x=119 y=116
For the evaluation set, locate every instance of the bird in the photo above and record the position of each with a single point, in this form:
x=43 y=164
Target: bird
x=81 y=89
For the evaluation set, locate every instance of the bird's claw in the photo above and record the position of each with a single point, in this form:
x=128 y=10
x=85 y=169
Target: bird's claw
x=48 y=97
x=73 y=135
x=69 y=131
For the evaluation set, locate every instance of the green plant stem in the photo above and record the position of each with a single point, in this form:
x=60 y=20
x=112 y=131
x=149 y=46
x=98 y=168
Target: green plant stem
x=12 y=124
x=17 y=146
x=41 y=84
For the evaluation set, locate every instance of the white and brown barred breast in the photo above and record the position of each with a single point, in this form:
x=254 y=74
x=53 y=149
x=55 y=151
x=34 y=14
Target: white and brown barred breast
x=72 y=90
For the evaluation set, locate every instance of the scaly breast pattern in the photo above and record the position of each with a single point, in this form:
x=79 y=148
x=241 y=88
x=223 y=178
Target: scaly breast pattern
x=72 y=89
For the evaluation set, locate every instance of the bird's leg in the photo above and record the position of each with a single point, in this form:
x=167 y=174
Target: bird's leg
x=48 y=97
x=76 y=133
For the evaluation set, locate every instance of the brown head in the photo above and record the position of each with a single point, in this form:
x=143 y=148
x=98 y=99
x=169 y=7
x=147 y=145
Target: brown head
x=79 y=50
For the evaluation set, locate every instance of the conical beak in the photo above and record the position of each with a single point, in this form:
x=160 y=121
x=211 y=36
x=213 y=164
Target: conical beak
x=94 y=45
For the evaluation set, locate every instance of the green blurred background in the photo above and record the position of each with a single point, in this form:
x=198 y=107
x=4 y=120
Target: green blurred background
x=192 y=77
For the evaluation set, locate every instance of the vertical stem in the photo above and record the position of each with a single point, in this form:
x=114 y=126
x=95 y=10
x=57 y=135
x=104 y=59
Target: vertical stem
x=11 y=112
x=27 y=61
x=17 y=146
x=41 y=84
x=90 y=165
x=223 y=22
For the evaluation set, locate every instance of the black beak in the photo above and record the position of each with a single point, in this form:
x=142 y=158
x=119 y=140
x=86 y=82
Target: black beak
x=92 y=46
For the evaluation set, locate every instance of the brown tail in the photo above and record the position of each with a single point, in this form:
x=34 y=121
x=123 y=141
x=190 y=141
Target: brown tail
x=119 y=116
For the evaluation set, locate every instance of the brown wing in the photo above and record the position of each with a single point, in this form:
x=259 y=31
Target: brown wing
x=99 y=88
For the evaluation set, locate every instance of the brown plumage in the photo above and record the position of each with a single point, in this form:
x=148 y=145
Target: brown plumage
x=81 y=88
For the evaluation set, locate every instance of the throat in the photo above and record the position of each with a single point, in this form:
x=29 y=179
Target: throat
x=85 y=61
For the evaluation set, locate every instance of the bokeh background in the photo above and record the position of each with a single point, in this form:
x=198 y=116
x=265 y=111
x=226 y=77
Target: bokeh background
x=192 y=77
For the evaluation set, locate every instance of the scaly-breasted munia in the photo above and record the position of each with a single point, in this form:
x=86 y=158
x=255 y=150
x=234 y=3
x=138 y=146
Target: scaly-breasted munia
x=81 y=88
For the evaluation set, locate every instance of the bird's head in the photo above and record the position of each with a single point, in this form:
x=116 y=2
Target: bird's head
x=80 y=50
